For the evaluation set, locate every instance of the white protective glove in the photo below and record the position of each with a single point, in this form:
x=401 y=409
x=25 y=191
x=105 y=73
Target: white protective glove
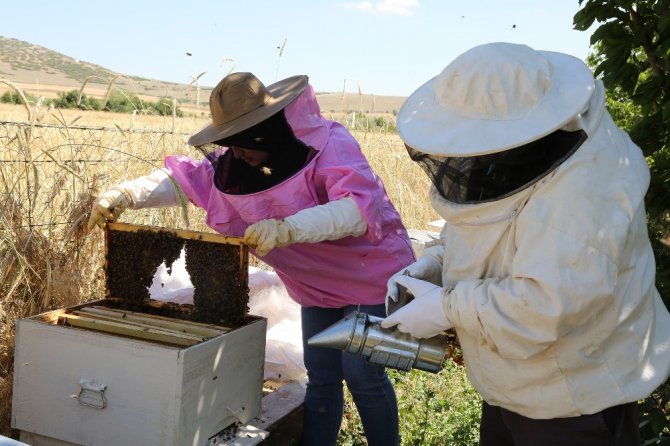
x=266 y=235
x=423 y=317
x=428 y=268
x=150 y=191
x=107 y=207
x=331 y=221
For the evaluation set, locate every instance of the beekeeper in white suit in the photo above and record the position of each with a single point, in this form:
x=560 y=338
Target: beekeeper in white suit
x=544 y=265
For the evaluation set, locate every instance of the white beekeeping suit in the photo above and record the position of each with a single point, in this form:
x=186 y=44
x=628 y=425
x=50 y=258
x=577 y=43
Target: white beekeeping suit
x=547 y=272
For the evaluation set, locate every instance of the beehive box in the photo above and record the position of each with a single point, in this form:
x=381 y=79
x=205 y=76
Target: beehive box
x=124 y=370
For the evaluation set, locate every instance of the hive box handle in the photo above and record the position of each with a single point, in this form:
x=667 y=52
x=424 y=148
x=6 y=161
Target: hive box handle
x=92 y=393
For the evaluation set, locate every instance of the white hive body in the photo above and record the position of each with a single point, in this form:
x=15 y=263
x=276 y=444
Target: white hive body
x=105 y=373
x=74 y=386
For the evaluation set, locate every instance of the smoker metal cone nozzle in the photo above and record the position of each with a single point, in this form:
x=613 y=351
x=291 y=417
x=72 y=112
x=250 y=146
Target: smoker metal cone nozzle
x=337 y=336
x=363 y=335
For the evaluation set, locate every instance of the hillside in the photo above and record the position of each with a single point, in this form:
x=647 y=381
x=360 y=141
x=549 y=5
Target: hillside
x=43 y=72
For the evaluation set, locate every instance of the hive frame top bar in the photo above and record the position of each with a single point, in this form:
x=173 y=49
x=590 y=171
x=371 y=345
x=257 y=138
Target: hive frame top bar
x=182 y=233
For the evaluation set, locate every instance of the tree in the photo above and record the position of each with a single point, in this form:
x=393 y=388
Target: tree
x=631 y=54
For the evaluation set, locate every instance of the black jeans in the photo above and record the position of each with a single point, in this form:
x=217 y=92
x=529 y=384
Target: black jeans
x=615 y=426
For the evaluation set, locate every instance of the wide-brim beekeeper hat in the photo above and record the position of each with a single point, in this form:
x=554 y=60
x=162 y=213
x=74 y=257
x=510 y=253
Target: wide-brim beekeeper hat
x=495 y=97
x=241 y=101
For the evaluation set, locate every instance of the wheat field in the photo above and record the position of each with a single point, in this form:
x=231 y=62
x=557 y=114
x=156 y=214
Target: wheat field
x=53 y=165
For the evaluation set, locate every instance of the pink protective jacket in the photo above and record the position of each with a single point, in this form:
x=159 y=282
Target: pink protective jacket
x=330 y=274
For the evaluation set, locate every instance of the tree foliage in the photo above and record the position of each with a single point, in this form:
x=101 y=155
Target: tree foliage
x=631 y=54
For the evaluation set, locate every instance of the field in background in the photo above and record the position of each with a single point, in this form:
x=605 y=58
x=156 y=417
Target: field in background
x=123 y=146
x=333 y=105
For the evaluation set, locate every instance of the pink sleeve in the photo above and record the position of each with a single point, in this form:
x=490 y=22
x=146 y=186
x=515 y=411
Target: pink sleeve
x=348 y=174
x=194 y=177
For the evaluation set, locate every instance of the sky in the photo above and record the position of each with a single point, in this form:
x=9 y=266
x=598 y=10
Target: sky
x=386 y=47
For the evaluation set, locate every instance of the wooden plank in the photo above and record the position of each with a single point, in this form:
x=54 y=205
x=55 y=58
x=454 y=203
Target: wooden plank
x=52 y=316
x=151 y=334
x=182 y=233
x=156 y=322
x=157 y=304
x=142 y=325
x=279 y=404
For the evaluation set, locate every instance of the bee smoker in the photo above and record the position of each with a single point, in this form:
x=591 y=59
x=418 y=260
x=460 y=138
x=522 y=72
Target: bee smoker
x=362 y=334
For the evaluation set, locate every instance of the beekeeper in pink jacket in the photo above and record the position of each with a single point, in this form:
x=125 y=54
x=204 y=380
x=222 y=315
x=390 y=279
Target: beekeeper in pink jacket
x=544 y=265
x=299 y=190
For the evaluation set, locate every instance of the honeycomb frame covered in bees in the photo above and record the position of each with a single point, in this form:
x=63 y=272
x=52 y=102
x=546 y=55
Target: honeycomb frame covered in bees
x=216 y=264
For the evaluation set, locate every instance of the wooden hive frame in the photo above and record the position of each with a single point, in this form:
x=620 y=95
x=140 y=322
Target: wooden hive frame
x=183 y=234
x=105 y=316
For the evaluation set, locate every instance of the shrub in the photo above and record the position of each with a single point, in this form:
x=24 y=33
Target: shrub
x=12 y=97
x=70 y=99
x=124 y=103
x=164 y=108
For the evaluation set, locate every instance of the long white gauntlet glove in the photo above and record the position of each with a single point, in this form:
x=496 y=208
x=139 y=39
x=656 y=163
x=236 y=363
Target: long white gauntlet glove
x=331 y=221
x=107 y=207
x=153 y=190
x=423 y=317
x=428 y=267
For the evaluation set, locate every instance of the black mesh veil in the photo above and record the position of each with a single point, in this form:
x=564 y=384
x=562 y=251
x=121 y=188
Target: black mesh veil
x=494 y=176
x=287 y=155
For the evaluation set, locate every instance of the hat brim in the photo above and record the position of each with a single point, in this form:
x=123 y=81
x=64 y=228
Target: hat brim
x=425 y=125
x=283 y=93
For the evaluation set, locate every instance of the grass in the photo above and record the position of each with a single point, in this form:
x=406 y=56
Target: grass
x=433 y=409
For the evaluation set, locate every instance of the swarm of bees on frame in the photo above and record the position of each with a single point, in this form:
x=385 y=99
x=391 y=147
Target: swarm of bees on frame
x=220 y=295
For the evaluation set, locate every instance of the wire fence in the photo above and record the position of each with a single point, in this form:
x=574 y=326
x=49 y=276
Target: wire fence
x=51 y=172
x=92 y=128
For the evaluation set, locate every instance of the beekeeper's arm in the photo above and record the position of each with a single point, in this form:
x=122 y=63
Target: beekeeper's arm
x=150 y=191
x=331 y=221
x=545 y=296
x=522 y=314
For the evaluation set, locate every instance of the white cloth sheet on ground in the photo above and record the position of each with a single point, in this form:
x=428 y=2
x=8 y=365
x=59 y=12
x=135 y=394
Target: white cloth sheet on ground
x=267 y=298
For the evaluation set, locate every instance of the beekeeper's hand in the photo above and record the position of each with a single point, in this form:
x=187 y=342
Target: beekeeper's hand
x=265 y=235
x=428 y=268
x=331 y=221
x=153 y=190
x=108 y=207
x=423 y=317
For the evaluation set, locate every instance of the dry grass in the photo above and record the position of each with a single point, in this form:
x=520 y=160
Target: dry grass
x=49 y=177
x=405 y=182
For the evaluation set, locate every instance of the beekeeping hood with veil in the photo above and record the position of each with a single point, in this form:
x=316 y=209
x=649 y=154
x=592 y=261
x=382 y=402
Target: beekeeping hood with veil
x=545 y=242
x=281 y=119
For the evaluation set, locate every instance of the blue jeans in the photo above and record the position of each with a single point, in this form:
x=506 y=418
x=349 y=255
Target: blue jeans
x=369 y=385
